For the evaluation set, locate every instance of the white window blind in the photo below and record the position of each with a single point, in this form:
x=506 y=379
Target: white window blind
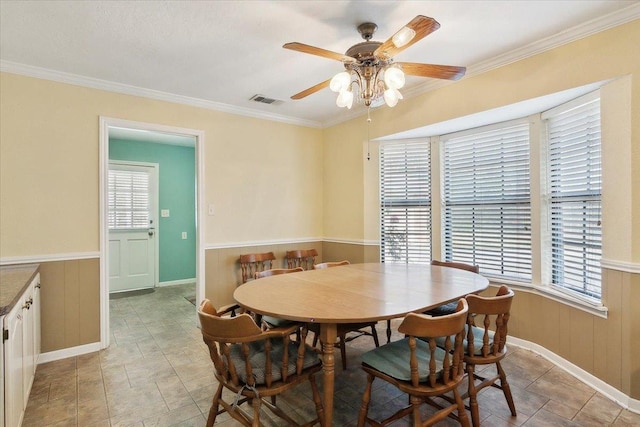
x=405 y=205
x=487 y=214
x=575 y=184
x=128 y=199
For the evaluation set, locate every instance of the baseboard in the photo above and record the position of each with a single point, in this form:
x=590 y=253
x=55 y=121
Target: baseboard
x=68 y=352
x=592 y=381
x=177 y=282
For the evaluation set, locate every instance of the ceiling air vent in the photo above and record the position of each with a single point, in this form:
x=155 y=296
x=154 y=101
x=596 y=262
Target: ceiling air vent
x=264 y=100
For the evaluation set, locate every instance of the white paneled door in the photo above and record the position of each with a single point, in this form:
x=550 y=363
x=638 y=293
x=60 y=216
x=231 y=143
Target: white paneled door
x=132 y=225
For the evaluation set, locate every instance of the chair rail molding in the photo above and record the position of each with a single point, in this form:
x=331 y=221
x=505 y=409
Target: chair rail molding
x=31 y=259
x=626 y=266
x=250 y=243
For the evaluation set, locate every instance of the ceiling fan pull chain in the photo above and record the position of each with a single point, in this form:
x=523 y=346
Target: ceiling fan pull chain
x=368 y=136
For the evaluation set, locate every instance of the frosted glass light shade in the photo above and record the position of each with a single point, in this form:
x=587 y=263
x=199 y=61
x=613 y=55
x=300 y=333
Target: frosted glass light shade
x=340 y=82
x=394 y=78
x=404 y=36
x=391 y=97
x=345 y=99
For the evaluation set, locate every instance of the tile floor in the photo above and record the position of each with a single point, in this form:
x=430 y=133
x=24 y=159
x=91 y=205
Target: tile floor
x=157 y=372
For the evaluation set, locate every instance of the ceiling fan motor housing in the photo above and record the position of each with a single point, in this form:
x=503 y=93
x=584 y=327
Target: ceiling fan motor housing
x=367 y=29
x=363 y=51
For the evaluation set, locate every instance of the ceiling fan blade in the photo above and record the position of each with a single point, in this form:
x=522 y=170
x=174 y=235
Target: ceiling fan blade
x=305 y=48
x=448 y=72
x=422 y=25
x=312 y=89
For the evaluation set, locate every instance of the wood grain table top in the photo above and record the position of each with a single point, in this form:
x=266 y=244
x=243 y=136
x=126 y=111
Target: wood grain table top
x=357 y=292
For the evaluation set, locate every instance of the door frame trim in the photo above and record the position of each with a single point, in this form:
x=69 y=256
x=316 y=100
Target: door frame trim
x=105 y=124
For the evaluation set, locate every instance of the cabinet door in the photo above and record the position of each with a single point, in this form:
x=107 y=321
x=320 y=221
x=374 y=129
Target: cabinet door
x=36 y=307
x=28 y=367
x=13 y=370
x=1 y=373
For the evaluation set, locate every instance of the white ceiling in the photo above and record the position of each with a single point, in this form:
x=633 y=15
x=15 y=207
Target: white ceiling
x=218 y=54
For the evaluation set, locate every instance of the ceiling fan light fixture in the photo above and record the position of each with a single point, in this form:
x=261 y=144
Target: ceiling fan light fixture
x=394 y=78
x=391 y=97
x=404 y=36
x=340 y=82
x=345 y=99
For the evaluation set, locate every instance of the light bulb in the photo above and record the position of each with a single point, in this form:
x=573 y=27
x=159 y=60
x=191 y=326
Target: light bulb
x=394 y=78
x=404 y=36
x=391 y=97
x=345 y=99
x=340 y=82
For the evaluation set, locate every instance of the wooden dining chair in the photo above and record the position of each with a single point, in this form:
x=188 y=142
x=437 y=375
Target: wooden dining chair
x=270 y=321
x=255 y=365
x=276 y=271
x=346 y=332
x=304 y=258
x=486 y=343
x=250 y=264
x=450 y=307
x=418 y=367
x=330 y=264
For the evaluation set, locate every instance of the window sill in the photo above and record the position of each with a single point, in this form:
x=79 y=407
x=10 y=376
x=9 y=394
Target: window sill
x=594 y=308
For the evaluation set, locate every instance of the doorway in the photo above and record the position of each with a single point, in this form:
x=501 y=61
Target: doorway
x=155 y=136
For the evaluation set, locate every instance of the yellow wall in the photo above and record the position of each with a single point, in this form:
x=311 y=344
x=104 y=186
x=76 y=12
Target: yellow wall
x=263 y=177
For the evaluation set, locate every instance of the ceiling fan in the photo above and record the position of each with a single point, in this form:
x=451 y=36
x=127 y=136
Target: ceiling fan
x=370 y=67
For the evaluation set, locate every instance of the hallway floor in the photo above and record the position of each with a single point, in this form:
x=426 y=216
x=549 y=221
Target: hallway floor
x=157 y=372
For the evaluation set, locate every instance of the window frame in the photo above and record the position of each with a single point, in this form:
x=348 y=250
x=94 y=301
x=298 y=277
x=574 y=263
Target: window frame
x=540 y=234
x=424 y=251
x=475 y=202
x=549 y=272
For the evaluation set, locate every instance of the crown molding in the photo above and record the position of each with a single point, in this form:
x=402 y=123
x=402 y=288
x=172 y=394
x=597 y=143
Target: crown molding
x=569 y=35
x=586 y=29
x=109 y=86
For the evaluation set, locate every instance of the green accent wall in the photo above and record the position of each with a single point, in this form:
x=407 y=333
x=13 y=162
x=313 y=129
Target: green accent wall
x=177 y=192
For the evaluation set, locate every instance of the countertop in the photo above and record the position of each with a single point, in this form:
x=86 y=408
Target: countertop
x=14 y=280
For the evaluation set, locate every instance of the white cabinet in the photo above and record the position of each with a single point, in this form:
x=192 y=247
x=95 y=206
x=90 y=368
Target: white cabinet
x=28 y=340
x=1 y=372
x=21 y=350
x=35 y=306
x=13 y=365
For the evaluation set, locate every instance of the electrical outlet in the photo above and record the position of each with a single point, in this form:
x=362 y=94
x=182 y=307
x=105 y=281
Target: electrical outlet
x=164 y=213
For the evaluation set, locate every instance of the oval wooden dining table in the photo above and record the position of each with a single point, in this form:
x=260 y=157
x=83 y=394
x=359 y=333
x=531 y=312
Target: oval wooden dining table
x=354 y=293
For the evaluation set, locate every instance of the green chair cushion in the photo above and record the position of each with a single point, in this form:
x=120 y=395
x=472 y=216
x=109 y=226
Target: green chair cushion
x=257 y=358
x=275 y=322
x=393 y=359
x=444 y=309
